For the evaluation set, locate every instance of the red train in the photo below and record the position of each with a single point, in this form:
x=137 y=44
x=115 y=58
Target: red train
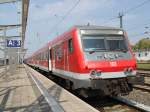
x=91 y=60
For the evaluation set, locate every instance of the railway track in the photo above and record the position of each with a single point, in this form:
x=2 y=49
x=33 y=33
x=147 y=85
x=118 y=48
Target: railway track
x=109 y=104
x=141 y=107
x=143 y=73
x=145 y=87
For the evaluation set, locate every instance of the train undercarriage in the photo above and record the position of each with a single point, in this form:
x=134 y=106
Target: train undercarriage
x=112 y=87
x=98 y=87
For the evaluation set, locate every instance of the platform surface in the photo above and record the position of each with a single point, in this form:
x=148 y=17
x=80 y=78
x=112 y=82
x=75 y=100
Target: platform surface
x=19 y=93
x=68 y=101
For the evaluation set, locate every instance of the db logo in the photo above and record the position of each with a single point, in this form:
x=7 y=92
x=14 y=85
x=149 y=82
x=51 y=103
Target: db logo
x=113 y=64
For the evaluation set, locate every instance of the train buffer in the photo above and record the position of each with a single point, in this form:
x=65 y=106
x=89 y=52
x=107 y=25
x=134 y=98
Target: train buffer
x=26 y=90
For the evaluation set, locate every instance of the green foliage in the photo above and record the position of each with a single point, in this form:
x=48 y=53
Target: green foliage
x=145 y=66
x=142 y=44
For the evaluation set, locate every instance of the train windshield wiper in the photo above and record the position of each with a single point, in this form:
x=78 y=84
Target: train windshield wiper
x=92 y=50
x=122 y=50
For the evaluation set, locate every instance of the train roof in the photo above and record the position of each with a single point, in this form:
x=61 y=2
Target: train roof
x=80 y=27
x=88 y=27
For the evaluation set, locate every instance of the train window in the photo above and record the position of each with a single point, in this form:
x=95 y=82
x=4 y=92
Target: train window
x=96 y=44
x=55 y=54
x=93 y=42
x=40 y=56
x=46 y=54
x=44 y=57
x=59 y=53
x=70 y=45
x=116 y=44
x=50 y=54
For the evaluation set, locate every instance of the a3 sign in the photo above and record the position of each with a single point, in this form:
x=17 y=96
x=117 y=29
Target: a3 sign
x=14 y=43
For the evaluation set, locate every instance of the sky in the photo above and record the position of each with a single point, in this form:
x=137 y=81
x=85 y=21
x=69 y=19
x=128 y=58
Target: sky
x=49 y=18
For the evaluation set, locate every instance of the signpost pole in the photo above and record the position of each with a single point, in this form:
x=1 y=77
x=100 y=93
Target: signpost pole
x=5 y=52
x=14 y=45
x=18 y=55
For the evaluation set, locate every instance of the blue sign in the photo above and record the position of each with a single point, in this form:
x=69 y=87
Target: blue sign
x=13 y=43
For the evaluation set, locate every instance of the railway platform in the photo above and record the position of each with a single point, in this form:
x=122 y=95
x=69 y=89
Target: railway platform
x=26 y=90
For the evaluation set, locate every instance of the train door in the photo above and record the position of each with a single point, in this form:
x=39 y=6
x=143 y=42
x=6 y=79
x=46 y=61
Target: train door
x=53 y=51
x=64 y=53
x=50 y=59
x=65 y=48
x=70 y=54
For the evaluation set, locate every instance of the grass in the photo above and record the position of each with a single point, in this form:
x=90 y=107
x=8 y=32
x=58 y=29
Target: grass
x=144 y=66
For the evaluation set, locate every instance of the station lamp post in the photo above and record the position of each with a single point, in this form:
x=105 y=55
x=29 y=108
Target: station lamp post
x=147 y=32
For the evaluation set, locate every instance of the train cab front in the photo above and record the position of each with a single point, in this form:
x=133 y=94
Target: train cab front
x=109 y=61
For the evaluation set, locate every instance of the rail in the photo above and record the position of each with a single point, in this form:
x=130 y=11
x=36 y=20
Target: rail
x=135 y=104
x=143 y=73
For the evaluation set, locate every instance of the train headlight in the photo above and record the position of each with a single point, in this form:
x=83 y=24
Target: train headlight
x=99 y=72
x=95 y=73
x=120 y=32
x=128 y=70
x=116 y=56
x=105 y=56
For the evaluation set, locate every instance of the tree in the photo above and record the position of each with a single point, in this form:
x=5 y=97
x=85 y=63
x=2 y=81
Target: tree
x=143 y=44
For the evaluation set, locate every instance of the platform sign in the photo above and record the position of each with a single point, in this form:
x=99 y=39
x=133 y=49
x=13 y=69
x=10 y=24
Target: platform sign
x=14 y=43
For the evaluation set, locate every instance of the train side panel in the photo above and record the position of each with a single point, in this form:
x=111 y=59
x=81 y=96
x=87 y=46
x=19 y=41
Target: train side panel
x=64 y=54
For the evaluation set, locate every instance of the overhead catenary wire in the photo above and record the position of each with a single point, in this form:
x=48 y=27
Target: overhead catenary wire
x=105 y=22
x=129 y=10
x=137 y=26
x=69 y=11
x=109 y=20
x=66 y=15
x=136 y=7
x=138 y=34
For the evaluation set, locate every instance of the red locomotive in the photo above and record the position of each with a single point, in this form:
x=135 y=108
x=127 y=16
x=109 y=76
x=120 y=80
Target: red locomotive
x=90 y=59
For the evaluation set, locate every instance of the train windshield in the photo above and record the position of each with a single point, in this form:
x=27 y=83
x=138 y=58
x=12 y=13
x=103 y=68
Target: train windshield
x=100 y=43
x=116 y=44
x=93 y=44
